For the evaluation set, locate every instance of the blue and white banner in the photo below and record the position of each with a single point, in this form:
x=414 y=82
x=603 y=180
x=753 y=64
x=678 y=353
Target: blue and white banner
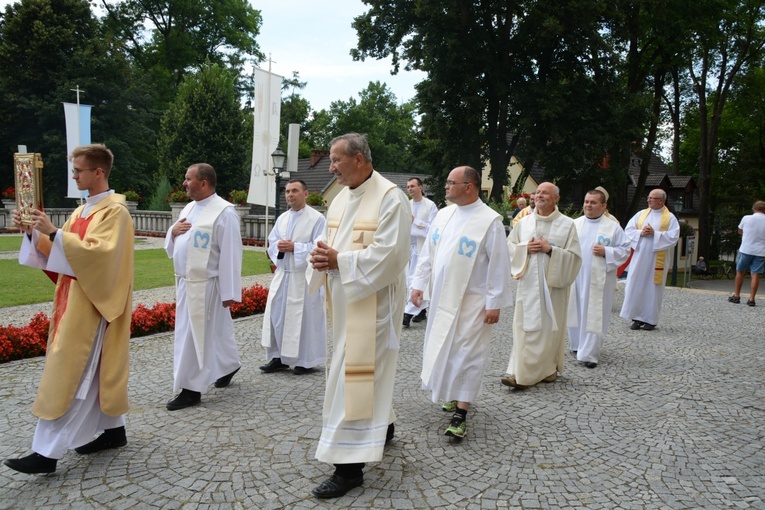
x=77 y=133
x=265 y=138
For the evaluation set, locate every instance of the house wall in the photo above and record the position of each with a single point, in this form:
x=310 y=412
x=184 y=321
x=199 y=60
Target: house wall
x=514 y=170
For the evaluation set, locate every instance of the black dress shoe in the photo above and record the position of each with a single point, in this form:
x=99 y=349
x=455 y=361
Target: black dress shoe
x=336 y=486
x=636 y=325
x=420 y=316
x=32 y=464
x=186 y=398
x=302 y=370
x=226 y=379
x=111 y=438
x=389 y=434
x=648 y=327
x=590 y=364
x=274 y=366
x=407 y=319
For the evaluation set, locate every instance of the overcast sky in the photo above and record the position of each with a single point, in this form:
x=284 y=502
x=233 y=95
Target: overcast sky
x=314 y=37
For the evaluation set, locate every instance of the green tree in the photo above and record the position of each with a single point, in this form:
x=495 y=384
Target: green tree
x=206 y=124
x=390 y=127
x=185 y=34
x=730 y=38
x=295 y=110
x=46 y=48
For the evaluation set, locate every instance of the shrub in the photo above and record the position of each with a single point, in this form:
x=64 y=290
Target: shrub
x=31 y=340
x=158 y=200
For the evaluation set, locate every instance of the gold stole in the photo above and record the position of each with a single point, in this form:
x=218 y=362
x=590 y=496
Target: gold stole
x=658 y=273
x=361 y=316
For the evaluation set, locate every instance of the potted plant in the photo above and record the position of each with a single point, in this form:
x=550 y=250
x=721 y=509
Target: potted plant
x=177 y=200
x=132 y=198
x=238 y=197
x=9 y=197
x=315 y=200
x=178 y=195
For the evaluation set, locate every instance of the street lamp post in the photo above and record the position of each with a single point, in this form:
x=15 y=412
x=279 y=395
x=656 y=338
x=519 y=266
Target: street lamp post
x=678 y=206
x=279 y=159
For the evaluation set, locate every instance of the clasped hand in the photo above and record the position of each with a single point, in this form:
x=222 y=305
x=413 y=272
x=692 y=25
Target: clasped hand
x=323 y=257
x=540 y=245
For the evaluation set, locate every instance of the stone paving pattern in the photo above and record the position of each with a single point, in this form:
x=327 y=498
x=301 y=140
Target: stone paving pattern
x=671 y=418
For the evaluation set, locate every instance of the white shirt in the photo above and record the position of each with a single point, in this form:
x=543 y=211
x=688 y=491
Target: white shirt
x=753 y=239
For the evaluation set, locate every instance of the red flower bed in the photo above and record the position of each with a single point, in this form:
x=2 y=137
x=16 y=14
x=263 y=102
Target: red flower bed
x=26 y=341
x=31 y=340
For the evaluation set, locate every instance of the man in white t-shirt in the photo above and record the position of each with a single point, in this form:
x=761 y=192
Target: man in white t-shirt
x=751 y=254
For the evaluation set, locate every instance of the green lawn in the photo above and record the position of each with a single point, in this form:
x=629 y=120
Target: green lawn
x=23 y=285
x=10 y=243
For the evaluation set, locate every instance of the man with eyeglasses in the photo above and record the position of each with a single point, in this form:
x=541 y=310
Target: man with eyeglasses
x=465 y=269
x=83 y=388
x=652 y=232
x=545 y=254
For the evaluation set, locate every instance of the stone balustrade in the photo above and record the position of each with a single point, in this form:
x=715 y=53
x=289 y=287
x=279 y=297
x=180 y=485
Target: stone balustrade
x=157 y=222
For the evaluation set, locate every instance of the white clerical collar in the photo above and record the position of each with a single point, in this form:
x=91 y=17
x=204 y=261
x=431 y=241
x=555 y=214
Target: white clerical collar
x=206 y=201
x=299 y=211
x=470 y=206
x=94 y=199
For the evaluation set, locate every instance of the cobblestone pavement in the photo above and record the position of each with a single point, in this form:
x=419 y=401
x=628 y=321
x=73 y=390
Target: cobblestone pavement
x=672 y=418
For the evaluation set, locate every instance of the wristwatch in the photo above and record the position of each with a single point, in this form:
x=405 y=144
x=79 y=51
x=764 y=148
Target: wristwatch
x=52 y=235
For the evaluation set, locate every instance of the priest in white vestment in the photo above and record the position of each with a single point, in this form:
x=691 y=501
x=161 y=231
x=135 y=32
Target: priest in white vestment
x=363 y=262
x=206 y=247
x=652 y=232
x=545 y=258
x=294 y=326
x=423 y=213
x=83 y=387
x=465 y=268
x=604 y=248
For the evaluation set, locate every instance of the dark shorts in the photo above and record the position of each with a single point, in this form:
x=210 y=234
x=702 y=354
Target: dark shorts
x=754 y=263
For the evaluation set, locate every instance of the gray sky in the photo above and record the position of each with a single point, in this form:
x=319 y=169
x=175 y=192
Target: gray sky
x=314 y=37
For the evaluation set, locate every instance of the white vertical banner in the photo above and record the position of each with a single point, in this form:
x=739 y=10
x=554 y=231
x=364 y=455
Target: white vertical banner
x=265 y=136
x=293 y=144
x=77 y=133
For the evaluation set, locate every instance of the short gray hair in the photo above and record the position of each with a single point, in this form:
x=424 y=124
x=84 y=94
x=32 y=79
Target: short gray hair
x=355 y=144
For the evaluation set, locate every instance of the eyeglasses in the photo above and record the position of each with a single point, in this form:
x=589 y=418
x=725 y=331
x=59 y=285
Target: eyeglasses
x=78 y=171
x=452 y=183
x=655 y=198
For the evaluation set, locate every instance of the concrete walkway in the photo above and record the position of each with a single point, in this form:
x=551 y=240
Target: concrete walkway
x=672 y=418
